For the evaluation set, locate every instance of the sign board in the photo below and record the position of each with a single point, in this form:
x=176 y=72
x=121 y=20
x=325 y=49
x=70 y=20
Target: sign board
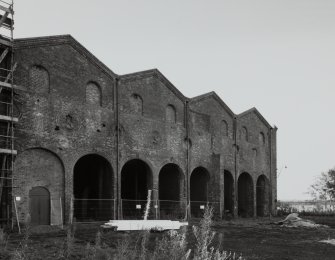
x=18 y=198
x=138 y=206
x=202 y=206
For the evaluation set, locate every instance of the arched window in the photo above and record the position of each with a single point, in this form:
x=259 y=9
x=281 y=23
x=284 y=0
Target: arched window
x=136 y=104
x=244 y=133
x=39 y=80
x=261 y=138
x=171 y=114
x=93 y=94
x=224 y=128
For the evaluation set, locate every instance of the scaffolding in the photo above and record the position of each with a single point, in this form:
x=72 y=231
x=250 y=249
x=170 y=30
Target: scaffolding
x=7 y=117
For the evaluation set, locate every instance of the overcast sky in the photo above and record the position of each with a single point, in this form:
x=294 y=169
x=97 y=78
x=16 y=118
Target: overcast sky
x=278 y=56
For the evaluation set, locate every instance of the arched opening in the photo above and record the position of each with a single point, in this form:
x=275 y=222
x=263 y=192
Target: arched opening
x=93 y=188
x=171 y=186
x=39 y=80
x=171 y=114
x=93 y=94
x=261 y=138
x=224 y=128
x=244 y=134
x=228 y=193
x=199 y=191
x=136 y=180
x=245 y=195
x=136 y=104
x=263 y=196
x=39 y=198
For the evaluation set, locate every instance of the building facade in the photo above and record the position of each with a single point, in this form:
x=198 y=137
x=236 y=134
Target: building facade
x=91 y=143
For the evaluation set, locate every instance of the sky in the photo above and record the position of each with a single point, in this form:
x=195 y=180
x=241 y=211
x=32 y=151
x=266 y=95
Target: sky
x=275 y=55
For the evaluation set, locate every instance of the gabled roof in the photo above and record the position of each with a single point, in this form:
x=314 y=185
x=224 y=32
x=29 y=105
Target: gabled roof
x=213 y=95
x=67 y=39
x=154 y=73
x=257 y=113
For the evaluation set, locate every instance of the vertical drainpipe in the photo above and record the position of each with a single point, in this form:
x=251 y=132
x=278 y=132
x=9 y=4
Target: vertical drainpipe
x=187 y=161
x=116 y=102
x=270 y=148
x=236 y=169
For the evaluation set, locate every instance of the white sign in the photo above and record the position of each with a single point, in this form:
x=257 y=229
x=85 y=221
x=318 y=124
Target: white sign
x=156 y=206
x=138 y=206
x=202 y=206
x=18 y=198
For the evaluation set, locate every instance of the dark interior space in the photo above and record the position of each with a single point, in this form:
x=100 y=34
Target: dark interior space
x=245 y=196
x=263 y=196
x=171 y=183
x=199 y=190
x=136 y=180
x=93 y=188
x=228 y=192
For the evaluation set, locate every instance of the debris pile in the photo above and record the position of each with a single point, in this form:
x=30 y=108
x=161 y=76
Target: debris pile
x=292 y=220
x=154 y=225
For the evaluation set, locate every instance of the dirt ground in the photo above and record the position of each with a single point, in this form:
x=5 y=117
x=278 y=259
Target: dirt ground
x=253 y=238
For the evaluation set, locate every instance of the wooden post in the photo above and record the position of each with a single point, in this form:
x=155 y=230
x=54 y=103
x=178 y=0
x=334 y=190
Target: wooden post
x=17 y=216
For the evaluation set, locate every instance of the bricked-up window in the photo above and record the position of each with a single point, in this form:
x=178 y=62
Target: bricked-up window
x=39 y=80
x=244 y=133
x=224 y=128
x=93 y=94
x=136 y=104
x=261 y=138
x=171 y=114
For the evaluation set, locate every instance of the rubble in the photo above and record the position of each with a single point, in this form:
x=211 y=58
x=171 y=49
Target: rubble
x=293 y=220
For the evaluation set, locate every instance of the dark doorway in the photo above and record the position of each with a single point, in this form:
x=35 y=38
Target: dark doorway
x=136 y=180
x=199 y=191
x=228 y=193
x=93 y=189
x=263 y=196
x=171 y=186
x=245 y=195
x=39 y=206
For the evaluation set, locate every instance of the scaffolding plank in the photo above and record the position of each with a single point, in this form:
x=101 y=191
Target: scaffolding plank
x=8 y=85
x=6 y=42
x=8 y=151
x=9 y=118
x=3 y=55
x=5 y=9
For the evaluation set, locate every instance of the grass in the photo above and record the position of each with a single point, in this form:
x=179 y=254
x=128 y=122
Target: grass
x=143 y=245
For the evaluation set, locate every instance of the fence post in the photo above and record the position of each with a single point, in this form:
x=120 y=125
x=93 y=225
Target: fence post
x=71 y=211
x=61 y=212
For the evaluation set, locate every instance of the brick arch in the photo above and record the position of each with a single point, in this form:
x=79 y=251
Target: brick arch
x=245 y=189
x=262 y=196
x=93 y=188
x=39 y=79
x=40 y=167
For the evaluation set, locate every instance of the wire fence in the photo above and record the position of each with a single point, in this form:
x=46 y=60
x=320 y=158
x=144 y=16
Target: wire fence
x=198 y=208
x=90 y=210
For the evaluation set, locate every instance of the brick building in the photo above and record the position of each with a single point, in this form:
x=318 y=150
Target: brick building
x=99 y=141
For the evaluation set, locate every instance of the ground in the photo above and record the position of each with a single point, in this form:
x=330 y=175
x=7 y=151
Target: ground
x=253 y=238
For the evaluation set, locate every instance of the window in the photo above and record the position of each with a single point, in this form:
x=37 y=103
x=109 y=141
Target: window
x=244 y=133
x=136 y=104
x=93 y=94
x=171 y=114
x=224 y=128
x=261 y=138
x=39 y=80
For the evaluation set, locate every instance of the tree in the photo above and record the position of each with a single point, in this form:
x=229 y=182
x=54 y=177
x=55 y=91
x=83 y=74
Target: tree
x=324 y=186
